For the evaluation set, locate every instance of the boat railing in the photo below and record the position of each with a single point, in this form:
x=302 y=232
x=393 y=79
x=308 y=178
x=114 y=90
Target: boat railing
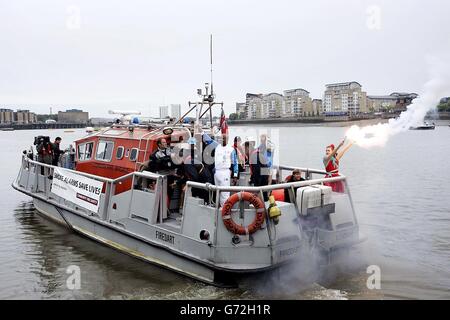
x=34 y=167
x=261 y=190
x=144 y=174
x=267 y=188
x=46 y=170
x=308 y=171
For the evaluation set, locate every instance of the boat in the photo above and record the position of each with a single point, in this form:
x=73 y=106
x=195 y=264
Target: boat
x=108 y=198
x=89 y=129
x=425 y=126
x=7 y=129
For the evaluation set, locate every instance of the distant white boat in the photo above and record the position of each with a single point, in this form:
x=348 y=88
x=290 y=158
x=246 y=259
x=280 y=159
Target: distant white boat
x=425 y=126
x=89 y=129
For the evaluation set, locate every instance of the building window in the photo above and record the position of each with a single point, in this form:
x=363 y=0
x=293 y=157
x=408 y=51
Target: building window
x=119 y=153
x=85 y=151
x=104 y=151
x=133 y=154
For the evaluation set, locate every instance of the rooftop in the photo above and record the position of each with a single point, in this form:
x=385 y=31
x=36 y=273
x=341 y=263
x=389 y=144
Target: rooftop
x=390 y=97
x=293 y=90
x=342 y=84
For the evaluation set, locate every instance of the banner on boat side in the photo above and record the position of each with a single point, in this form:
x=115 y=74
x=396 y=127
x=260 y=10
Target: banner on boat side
x=84 y=192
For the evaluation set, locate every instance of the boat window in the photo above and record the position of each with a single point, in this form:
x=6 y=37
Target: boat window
x=133 y=154
x=104 y=150
x=85 y=151
x=88 y=151
x=119 y=153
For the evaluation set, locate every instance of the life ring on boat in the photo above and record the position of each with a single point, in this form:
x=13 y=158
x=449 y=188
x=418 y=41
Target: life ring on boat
x=232 y=226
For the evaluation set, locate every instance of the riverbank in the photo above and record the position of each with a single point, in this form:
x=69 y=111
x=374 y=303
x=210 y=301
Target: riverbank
x=37 y=126
x=442 y=121
x=300 y=123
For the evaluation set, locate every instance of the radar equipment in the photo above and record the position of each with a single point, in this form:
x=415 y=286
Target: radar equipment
x=126 y=115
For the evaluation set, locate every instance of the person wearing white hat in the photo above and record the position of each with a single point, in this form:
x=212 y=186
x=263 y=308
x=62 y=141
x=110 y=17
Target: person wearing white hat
x=223 y=163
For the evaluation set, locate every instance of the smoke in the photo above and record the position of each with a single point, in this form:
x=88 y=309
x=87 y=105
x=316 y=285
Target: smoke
x=437 y=87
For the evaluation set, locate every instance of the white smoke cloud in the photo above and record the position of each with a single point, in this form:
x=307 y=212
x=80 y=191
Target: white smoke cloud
x=437 y=87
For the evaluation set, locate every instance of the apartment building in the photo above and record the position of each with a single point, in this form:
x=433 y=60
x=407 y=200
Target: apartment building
x=272 y=105
x=175 y=111
x=297 y=103
x=241 y=110
x=317 y=107
x=346 y=97
x=395 y=101
x=163 y=112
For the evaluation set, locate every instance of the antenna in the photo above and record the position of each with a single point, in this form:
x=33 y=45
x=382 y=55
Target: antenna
x=211 y=62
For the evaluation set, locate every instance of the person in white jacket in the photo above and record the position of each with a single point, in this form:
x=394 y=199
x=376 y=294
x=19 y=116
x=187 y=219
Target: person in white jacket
x=226 y=167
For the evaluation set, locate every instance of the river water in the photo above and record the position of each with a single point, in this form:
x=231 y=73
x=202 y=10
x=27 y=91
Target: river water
x=401 y=194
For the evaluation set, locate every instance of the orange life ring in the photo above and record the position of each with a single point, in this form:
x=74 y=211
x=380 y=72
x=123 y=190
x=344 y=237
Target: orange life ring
x=232 y=226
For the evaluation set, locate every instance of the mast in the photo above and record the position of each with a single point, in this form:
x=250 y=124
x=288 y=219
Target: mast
x=211 y=62
x=212 y=87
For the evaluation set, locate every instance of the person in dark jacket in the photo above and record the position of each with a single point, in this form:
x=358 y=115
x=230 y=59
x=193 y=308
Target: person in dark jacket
x=193 y=169
x=161 y=159
x=56 y=151
x=259 y=170
x=295 y=177
x=45 y=153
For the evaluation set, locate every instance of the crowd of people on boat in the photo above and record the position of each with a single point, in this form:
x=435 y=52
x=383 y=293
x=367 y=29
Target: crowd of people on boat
x=228 y=162
x=220 y=164
x=50 y=152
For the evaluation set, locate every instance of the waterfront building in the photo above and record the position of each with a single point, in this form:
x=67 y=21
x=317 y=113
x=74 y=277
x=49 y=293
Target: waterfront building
x=272 y=104
x=6 y=116
x=253 y=102
x=163 y=112
x=317 y=107
x=254 y=105
x=24 y=117
x=297 y=103
x=73 y=116
x=32 y=117
x=175 y=111
x=241 y=110
x=381 y=103
x=346 y=97
x=403 y=100
x=394 y=102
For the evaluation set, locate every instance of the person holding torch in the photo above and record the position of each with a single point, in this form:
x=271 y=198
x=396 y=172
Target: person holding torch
x=331 y=162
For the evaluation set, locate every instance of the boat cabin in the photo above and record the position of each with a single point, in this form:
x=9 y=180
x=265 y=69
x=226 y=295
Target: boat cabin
x=122 y=149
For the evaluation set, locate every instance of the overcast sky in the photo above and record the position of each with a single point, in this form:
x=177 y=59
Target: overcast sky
x=101 y=55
